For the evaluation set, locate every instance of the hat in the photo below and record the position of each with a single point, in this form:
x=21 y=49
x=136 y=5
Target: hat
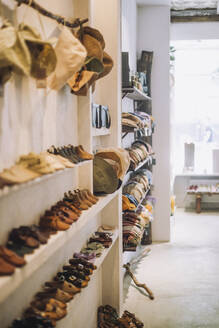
x=43 y=57
x=97 y=60
x=107 y=65
x=14 y=54
x=104 y=176
x=119 y=155
x=71 y=56
x=81 y=81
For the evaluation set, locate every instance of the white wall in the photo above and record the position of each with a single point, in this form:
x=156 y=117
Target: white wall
x=31 y=119
x=194 y=31
x=153 y=32
x=129 y=44
x=129 y=27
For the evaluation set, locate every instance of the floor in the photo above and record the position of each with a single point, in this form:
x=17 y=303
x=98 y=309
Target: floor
x=183 y=275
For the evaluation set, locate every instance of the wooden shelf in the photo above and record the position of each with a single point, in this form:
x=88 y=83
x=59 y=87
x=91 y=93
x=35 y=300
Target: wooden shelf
x=100 y=132
x=8 y=284
x=17 y=187
x=135 y=94
x=82 y=298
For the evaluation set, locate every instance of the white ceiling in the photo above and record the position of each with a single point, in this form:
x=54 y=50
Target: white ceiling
x=154 y=2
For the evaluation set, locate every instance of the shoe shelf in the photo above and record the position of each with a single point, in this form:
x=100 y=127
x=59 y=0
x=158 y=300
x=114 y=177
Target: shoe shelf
x=40 y=256
x=100 y=132
x=17 y=187
x=77 y=308
x=135 y=94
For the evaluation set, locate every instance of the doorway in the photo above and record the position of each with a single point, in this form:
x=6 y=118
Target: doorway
x=195 y=122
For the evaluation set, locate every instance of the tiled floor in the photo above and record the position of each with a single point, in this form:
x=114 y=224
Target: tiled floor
x=183 y=274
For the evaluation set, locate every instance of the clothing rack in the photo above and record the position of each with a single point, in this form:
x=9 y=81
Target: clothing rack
x=61 y=20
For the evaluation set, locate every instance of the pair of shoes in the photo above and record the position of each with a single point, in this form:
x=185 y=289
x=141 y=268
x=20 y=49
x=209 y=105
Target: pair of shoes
x=9 y=261
x=47 y=308
x=81 y=199
x=60 y=217
x=33 y=321
x=74 y=154
x=129 y=320
x=103 y=238
x=107 y=317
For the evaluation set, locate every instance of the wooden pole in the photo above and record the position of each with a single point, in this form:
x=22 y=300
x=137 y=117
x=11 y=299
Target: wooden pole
x=138 y=284
x=61 y=20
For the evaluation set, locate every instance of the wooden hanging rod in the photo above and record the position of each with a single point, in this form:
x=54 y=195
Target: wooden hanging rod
x=61 y=20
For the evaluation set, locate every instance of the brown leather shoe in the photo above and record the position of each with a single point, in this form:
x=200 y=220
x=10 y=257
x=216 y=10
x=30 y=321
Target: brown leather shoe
x=56 y=293
x=6 y=268
x=55 y=314
x=63 y=285
x=53 y=223
x=47 y=304
x=11 y=257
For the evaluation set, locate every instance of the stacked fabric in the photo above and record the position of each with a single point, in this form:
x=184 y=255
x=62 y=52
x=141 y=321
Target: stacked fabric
x=135 y=222
x=139 y=152
x=136 y=120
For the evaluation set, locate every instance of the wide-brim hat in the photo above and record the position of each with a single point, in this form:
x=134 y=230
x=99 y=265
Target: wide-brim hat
x=119 y=155
x=107 y=65
x=81 y=81
x=14 y=53
x=104 y=177
x=43 y=56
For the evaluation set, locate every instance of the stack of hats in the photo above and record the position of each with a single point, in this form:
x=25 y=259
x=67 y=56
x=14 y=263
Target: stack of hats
x=110 y=167
x=137 y=186
x=97 y=64
x=138 y=152
x=77 y=60
x=135 y=221
x=136 y=120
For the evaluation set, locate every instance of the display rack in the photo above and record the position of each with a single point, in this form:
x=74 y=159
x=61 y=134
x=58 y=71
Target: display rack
x=135 y=94
x=65 y=119
x=147 y=132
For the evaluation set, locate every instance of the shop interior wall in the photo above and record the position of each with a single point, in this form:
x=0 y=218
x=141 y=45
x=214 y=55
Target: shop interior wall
x=129 y=39
x=33 y=119
x=153 y=35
